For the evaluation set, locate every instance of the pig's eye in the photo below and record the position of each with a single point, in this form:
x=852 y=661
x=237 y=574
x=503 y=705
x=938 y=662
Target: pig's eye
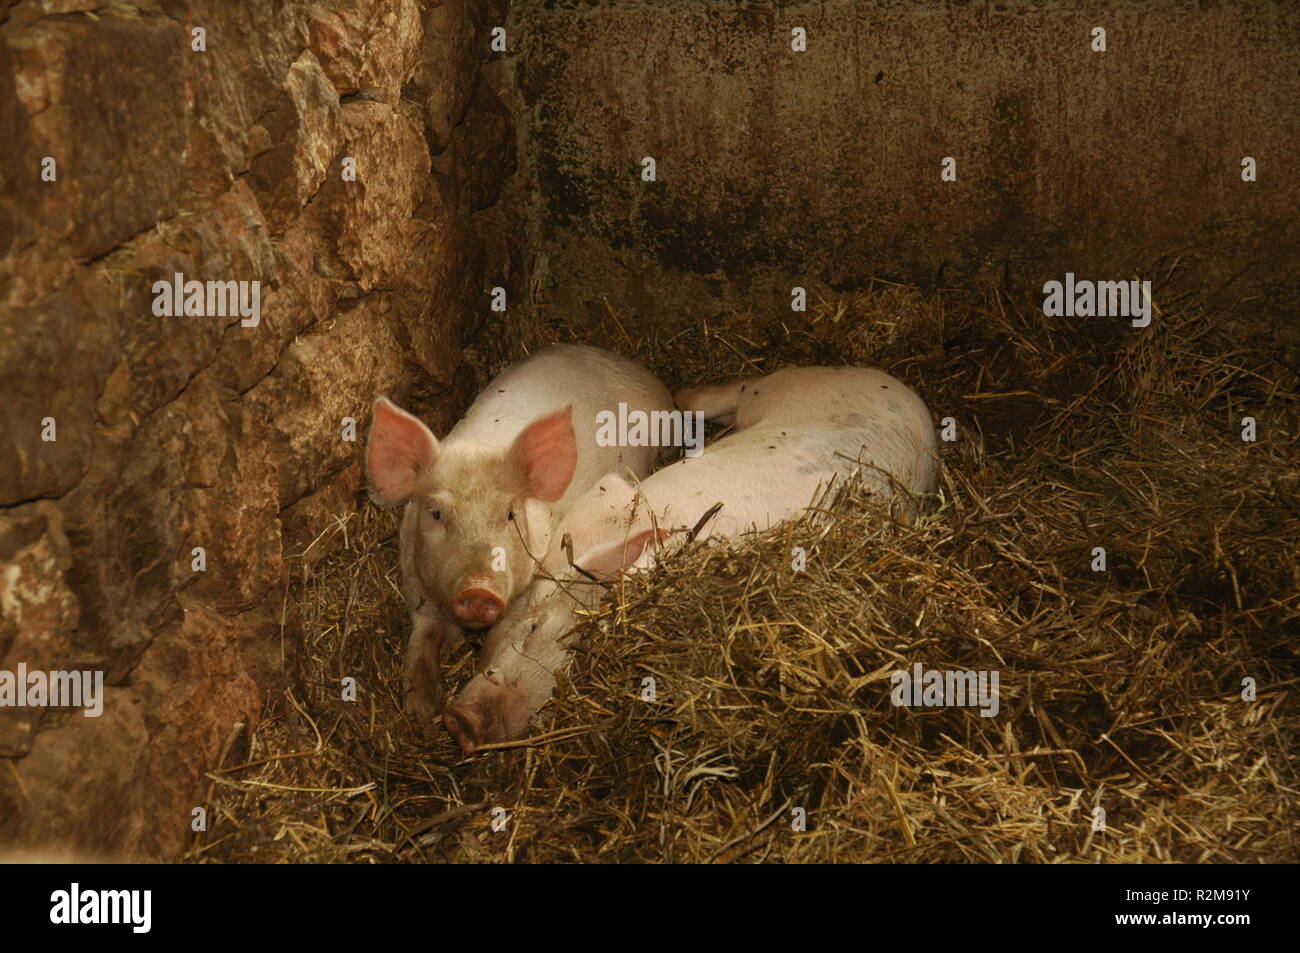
x=436 y=514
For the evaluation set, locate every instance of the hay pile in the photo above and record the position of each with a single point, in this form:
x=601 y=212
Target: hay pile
x=1119 y=689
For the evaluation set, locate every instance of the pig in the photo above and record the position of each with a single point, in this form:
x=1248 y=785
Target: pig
x=799 y=431
x=481 y=503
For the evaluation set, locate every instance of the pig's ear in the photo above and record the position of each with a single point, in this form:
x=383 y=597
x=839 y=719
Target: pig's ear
x=546 y=453
x=606 y=563
x=400 y=449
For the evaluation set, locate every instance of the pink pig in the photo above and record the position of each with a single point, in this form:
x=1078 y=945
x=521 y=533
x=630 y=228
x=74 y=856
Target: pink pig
x=481 y=503
x=799 y=431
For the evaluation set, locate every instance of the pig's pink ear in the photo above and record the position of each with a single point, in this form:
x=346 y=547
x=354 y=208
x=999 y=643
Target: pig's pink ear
x=607 y=562
x=400 y=448
x=546 y=452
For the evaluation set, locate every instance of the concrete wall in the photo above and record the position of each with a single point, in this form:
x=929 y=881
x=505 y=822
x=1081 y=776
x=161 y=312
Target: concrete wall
x=778 y=168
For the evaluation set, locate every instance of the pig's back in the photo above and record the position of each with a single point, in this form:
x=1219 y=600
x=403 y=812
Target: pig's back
x=760 y=476
x=866 y=413
x=589 y=378
x=799 y=430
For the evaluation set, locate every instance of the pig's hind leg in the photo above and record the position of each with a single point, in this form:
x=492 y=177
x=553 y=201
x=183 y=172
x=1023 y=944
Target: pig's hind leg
x=718 y=402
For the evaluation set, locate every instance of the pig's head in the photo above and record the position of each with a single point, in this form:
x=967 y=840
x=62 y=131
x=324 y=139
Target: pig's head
x=517 y=667
x=531 y=643
x=481 y=517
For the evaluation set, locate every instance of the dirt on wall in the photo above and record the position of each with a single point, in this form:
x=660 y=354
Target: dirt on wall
x=214 y=140
x=822 y=167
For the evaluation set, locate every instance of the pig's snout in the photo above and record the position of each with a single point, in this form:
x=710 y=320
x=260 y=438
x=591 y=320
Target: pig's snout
x=475 y=603
x=485 y=712
x=467 y=725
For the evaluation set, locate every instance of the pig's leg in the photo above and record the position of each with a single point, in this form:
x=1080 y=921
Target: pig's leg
x=717 y=401
x=430 y=637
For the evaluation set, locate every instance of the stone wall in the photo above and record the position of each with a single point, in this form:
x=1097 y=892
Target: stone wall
x=171 y=433
x=822 y=168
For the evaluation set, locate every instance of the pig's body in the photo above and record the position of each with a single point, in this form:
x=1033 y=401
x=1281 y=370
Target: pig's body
x=800 y=430
x=481 y=504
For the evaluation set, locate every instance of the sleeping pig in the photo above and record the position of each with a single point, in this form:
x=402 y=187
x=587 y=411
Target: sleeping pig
x=481 y=503
x=799 y=431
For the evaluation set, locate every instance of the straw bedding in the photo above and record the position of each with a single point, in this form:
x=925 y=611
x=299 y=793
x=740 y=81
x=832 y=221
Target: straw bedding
x=1120 y=690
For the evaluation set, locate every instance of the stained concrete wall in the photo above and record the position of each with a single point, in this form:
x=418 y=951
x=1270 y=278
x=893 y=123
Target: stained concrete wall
x=778 y=168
